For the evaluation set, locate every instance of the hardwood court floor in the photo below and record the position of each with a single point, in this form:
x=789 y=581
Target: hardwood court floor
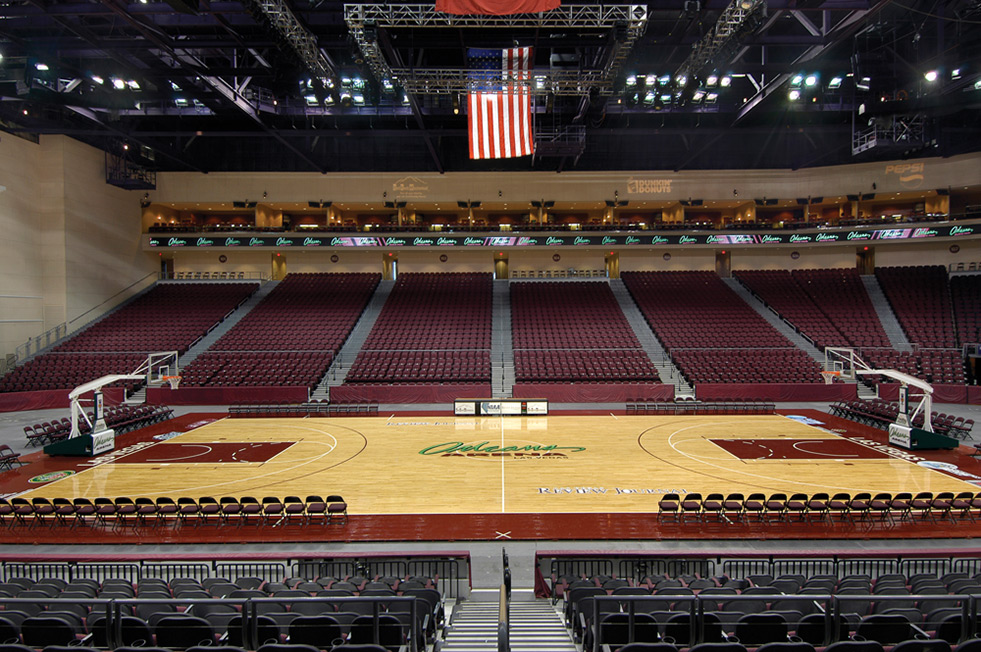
x=514 y=465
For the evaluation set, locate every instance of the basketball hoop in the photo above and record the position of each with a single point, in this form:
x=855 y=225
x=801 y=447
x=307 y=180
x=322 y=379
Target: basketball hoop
x=174 y=381
x=829 y=376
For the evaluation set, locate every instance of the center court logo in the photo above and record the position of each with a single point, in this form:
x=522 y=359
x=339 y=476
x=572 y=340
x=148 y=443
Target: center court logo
x=485 y=449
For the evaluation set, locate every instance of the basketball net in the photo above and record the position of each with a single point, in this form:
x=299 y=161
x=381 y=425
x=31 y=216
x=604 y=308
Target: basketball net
x=829 y=376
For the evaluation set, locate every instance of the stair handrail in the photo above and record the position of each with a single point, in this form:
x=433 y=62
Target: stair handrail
x=56 y=334
x=504 y=611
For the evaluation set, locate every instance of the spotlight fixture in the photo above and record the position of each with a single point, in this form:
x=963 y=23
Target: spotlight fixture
x=931 y=75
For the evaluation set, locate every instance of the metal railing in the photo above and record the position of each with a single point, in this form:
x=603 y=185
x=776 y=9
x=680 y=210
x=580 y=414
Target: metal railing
x=52 y=336
x=819 y=619
x=253 y=627
x=504 y=611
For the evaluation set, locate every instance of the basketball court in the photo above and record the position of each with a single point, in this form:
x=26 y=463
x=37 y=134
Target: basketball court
x=548 y=465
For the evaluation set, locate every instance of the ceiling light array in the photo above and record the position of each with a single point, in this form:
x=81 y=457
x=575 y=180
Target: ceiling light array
x=659 y=91
x=808 y=84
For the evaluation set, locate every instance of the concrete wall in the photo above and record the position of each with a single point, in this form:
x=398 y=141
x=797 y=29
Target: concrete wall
x=637 y=186
x=72 y=242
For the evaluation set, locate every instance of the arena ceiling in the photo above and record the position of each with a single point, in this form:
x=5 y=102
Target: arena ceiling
x=304 y=85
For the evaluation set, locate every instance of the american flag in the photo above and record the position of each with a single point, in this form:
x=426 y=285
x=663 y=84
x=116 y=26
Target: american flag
x=495 y=7
x=500 y=114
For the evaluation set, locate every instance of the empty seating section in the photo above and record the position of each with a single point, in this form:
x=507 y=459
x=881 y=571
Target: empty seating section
x=421 y=366
x=937 y=366
x=832 y=308
x=200 y=609
x=811 y=604
x=574 y=331
x=712 y=335
x=840 y=294
x=433 y=328
x=259 y=369
x=920 y=297
x=170 y=317
x=779 y=290
x=747 y=365
x=290 y=338
x=965 y=294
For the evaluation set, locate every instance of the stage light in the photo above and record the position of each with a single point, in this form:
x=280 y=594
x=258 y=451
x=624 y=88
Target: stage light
x=931 y=75
x=725 y=81
x=119 y=84
x=797 y=80
x=835 y=82
x=794 y=95
x=810 y=80
x=712 y=80
x=98 y=80
x=43 y=67
x=631 y=80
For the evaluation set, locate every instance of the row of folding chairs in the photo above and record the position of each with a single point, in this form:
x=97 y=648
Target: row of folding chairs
x=820 y=507
x=311 y=409
x=724 y=406
x=142 y=511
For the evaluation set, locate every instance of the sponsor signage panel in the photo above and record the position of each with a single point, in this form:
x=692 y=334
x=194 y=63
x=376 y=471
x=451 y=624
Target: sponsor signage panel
x=637 y=239
x=499 y=407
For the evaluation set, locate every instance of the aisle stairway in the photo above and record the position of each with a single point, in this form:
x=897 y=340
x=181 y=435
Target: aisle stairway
x=502 y=349
x=535 y=627
x=890 y=324
x=345 y=357
x=655 y=352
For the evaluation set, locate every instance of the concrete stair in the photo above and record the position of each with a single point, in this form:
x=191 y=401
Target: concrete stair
x=890 y=324
x=228 y=323
x=534 y=627
x=655 y=352
x=785 y=328
x=338 y=369
x=502 y=347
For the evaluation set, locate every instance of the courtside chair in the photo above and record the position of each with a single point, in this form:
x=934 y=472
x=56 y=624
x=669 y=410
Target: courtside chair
x=316 y=508
x=336 y=508
x=669 y=505
x=797 y=505
x=714 y=503
x=838 y=506
x=188 y=511
x=272 y=510
x=146 y=511
x=921 y=505
x=860 y=506
x=251 y=510
x=963 y=504
x=817 y=505
x=881 y=504
x=691 y=506
x=940 y=507
x=755 y=503
x=776 y=507
x=294 y=509
x=733 y=507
